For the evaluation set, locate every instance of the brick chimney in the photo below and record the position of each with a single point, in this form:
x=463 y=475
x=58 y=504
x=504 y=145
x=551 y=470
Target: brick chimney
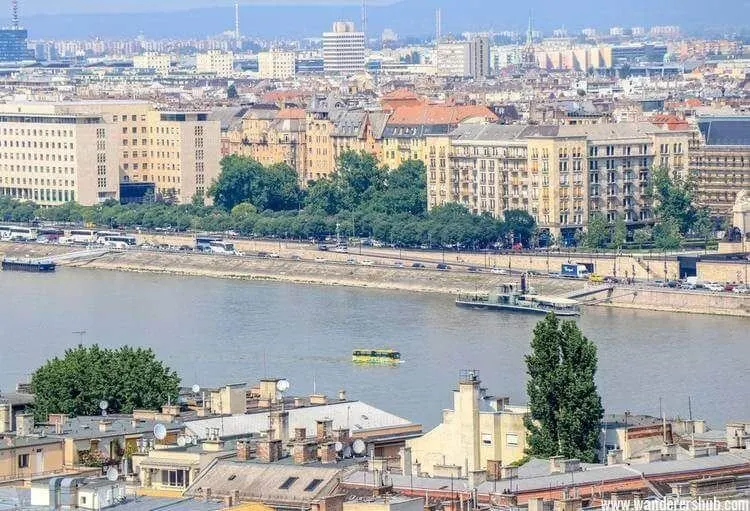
x=24 y=424
x=327 y=452
x=268 y=449
x=243 y=450
x=170 y=410
x=324 y=430
x=280 y=424
x=303 y=450
x=341 y=435
x=300 y=434
x=318 y=399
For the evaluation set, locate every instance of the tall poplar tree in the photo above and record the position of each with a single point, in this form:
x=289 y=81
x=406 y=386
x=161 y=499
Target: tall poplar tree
x=566 y=409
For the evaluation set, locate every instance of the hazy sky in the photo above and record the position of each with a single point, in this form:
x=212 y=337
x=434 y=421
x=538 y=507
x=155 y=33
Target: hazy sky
x=33 y=7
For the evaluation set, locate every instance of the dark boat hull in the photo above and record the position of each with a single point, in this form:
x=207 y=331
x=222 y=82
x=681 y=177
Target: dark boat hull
x=514 y=308
x=28 y=266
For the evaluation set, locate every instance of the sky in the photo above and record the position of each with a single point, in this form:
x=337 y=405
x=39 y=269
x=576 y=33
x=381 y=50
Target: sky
x=309 y=18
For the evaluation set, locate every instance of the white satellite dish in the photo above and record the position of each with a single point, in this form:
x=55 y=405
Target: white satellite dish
x=181 y=441
x=113 y=474
x=282 y=385
x=359 y=447
x=196 y=388
x=338 y=446
x=103 y=404
x=160 y=431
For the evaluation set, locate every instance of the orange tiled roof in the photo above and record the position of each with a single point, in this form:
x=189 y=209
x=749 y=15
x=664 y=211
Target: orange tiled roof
x=671 y=122
x=291 y=113
x=401 y=94
x=282 y=95
x=439 y=114
x=693 y=102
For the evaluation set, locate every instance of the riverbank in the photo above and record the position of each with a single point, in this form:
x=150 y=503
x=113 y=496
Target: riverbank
x=379 y=274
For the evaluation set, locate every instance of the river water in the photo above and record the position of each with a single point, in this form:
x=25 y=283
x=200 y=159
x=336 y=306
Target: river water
x=215 y=331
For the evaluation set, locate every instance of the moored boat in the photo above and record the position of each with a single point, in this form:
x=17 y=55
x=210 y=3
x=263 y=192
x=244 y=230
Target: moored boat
x=508 y=298
x=29 y=265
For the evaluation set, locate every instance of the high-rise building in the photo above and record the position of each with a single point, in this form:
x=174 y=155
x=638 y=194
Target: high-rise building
x=156 y=62
x=276 y=65
x=343 y=49
x=215 y=62
x=14 y=40
x=464 y=58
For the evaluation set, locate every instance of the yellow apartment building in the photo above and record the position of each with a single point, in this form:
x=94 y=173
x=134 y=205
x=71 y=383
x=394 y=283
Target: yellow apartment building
x=26 y=457
x=478 y=429
x=359 y=131
x=276 y=65
x=156 y=62
x=216 y=62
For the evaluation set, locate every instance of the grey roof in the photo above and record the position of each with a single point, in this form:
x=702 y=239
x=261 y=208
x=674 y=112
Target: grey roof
x=619 y=420
x=12 y=442
x=17 y=398
x=470 y=132
x=80 y=428
x=355 y=415
x=19 y=499
x=228 y=117
x=266 y=483
x=726 y=131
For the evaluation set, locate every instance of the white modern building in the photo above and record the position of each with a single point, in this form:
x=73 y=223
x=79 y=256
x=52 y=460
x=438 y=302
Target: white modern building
x=343 y=49
x=276 y=65
x=215 y=62
x=463 y=58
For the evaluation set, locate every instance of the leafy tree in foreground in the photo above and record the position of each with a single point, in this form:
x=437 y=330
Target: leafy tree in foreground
x=128 y=378
x=667 y=234
x=566 y=409
x=597 y=234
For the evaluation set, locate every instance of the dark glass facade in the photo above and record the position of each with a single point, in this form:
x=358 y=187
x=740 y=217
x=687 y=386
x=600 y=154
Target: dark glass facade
x=13 y=45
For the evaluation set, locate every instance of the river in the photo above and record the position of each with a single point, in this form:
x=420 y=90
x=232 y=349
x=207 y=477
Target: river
x=215 y=331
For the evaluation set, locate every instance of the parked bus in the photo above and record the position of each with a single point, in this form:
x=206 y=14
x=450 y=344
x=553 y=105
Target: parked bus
x=82 y=236
x=222 y=247
x=203 y=242
x=50 y=235
x=4 y=232
x=118 y=241
x=22 y=234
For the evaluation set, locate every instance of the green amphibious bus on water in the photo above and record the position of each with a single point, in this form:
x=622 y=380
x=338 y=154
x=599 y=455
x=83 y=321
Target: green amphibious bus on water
x=380 y=356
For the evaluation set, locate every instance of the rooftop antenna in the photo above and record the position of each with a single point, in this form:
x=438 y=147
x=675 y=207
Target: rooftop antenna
x=14 y=14
x=81 y=333
x=690 y=408
x=438 y=25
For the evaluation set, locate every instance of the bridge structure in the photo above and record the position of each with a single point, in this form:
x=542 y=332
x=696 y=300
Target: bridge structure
x=72 y=256
x=589 y=291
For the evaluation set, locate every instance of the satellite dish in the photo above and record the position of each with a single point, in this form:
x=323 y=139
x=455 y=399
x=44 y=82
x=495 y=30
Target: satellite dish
x=113 y=474
x=282 y=385
x=338 y=446
x=358 y=447
x=182 y=441
x=103 y=404
x=160 y=431
x=196 y=388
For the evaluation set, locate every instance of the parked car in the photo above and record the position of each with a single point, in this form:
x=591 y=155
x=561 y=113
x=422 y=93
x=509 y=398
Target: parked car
x=673 y=283
x=729 y=287
x=714 y=286
x=610 y=279
x=367 y=262
x=398 y=264
x=743 y=289
x=473 y=269
x=417 y=265
x=499 y=271
x=442 y=267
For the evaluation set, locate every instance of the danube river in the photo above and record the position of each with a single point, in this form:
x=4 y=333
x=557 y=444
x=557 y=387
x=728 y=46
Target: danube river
x=215 y=331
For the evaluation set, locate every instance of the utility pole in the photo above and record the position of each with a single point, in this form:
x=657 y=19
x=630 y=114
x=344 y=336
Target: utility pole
x=364 y=20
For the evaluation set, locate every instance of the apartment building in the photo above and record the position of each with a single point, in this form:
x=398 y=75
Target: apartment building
x=343 y=50
x=156 y=62
x=216 y=62
x=559 y=174
x=358 y=130
x=720 y=161
x=463 y=58
x=50 y=155
x=177 y=151
x=276 y=65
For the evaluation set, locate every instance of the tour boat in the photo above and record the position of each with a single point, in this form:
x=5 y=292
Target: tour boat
x=379 y=356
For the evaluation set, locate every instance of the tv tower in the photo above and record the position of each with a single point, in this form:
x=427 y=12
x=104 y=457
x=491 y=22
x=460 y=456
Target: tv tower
x=14 y=14
x=438 y=25
x=236 y=21
x=364 y=19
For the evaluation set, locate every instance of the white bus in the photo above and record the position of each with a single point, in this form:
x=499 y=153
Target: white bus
x=82 y=236
x=4 y=232
x=101 y=235
x=117 y=241
x=22 y=234
x=222 y=247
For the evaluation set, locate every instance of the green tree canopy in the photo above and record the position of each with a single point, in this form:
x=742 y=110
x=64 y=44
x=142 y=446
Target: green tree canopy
x=565 y=406
x=245 y=180
x=597 y=233
x=674 y=200
x=127 y=378
x=620 y=232
x=667 y=234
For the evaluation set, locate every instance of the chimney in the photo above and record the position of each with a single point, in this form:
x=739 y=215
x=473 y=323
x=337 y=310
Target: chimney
x=299 y=402
x=614 y=457
x=318 y=399
x=342 y=395
x=508 y=472
x=324 y=430
x=494 y=470
x=24 y=424
x=405 y=459
x=303 y=450
x=207 y=494
x=327 y=452
x=236 y=497
x=555 y=464
x=268 y=449
x=5 y=416
x=171 y=410
x=104 y=425
x=58 y=428
x=300 y=434
x=280 y=424
x=243 y=450
x=341 y=435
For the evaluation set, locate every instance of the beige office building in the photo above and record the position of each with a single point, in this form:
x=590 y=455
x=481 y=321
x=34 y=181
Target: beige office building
x=215 y=62
x=276 y=65
x=177 y=151
x=51 y=156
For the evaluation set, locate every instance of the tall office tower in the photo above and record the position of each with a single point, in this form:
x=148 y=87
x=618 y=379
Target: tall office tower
x=343 y=49
x=14 y=39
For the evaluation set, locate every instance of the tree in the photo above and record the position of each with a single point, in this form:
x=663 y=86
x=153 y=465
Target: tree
x=127 y=378
x=667 y=234
x=245 y=180
x=565 y=407
x=620 y=233
x=232 y=91
x=642 y=236
x=673 y=199
x=520 y=224
x=597 y=234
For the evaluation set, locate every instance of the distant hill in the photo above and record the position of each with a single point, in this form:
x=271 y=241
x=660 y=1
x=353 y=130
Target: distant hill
x=406 y=17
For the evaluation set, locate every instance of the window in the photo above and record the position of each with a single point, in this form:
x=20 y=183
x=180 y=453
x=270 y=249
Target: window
x=511 y=439
x=313 y=484
x=486 y=438
x=23 y=461
x=288 y=483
